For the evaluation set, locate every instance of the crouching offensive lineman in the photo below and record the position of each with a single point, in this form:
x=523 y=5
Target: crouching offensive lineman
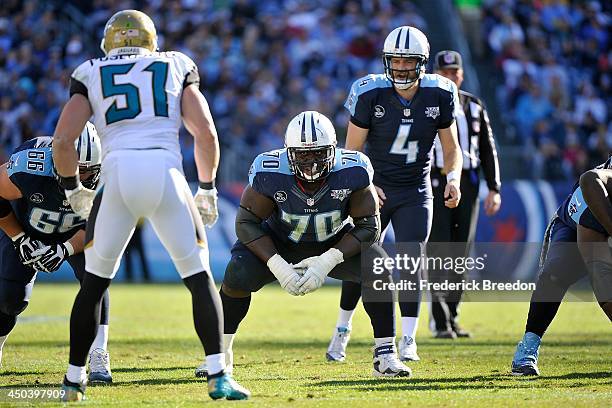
x=293 y=226
x=40 y=230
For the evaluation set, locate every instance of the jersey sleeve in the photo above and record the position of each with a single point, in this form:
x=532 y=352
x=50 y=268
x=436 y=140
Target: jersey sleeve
x=449 y=104
x=80 y=78
x=24 y=164
x=366 y=175
x=359 y=103
x=355 y=169
x=579 y=212
x=188 y=69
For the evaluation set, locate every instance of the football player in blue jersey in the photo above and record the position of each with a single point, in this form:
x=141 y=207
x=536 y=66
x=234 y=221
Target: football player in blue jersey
x=395 y=118
x=40 y=231
x=572 y=250
x=293 y=226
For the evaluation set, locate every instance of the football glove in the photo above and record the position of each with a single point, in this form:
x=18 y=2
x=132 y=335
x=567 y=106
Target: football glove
x=285 y=273
x=81 y=200
x=317 y=268
x=26 y=248
x=206 y=202
x=52 y=257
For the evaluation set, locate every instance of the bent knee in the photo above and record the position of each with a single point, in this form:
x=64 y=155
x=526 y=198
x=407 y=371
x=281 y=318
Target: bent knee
x=234 y=293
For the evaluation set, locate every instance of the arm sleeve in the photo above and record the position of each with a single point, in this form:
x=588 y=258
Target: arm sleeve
x=359 y=106
x=449 y=106
x=488 y=152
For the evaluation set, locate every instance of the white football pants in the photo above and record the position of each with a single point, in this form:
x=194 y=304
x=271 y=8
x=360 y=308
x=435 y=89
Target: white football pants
x=144 y=184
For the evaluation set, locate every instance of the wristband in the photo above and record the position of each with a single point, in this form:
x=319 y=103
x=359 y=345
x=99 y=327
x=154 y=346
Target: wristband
x=68 y=183
x=453 y=175
x=206 y=185
x=69 y=248
x=16 y=237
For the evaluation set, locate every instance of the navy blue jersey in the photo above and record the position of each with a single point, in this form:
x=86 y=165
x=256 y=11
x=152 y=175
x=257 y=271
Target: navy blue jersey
x=401 y=133
x=574 y=211
x=42 y=211
x=309 y=218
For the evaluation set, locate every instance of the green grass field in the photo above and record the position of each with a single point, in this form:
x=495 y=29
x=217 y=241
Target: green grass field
x=280 y=354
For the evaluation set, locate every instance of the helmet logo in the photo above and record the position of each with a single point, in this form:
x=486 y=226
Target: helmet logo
x=379 y=111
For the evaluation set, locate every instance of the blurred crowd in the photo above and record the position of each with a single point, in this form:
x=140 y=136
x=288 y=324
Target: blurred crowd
x=556 y=95
x=261 y=62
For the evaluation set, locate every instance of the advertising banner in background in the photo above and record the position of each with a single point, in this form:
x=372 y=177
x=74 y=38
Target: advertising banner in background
x=526 y=209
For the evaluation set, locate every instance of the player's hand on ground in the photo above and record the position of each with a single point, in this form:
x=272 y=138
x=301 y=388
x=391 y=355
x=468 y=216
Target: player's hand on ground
x=381 y=196
x=81 y=200
x=317 y=268
x=452 y=194
x=492 y=203
x=26 y=248
x=206 y=202
x=51 y=257
x=285 y=273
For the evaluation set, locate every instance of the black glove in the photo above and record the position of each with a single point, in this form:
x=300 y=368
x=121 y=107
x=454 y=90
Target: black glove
x=52 y=258
x=27 y=248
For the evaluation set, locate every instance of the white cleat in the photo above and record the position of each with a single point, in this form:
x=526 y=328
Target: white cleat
x=408 y=349
x=99 y=367
x=337 y=346
x=386 y=363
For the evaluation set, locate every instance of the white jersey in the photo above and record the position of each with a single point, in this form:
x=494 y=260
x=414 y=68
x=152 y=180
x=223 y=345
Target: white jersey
x=136 y=99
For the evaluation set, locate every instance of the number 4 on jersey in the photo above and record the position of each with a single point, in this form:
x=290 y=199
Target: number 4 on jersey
x=401 y=145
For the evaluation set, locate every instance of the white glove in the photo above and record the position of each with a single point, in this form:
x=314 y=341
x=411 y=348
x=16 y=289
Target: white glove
x=317 y=268
x=285 y=273
x=26 y=248
x=206 y=202
x=52 y=256
x=81 y=200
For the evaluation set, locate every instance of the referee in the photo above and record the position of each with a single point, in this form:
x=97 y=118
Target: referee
x=459 y=224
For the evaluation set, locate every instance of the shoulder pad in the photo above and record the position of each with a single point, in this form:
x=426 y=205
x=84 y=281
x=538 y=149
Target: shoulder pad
x=81 y=73
x=437 y=81
x=33 y=160
x=274 y=161
x=363 y=85
x=350 y=158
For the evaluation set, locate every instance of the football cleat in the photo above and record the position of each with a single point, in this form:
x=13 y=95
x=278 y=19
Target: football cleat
x=72 y=392
x=337 y=346
x=201 y=371
x=386 y=363
x=525 y=361
x=445 y=334
x=460 y=332
x=99 y=367
x=224 y=386
x=408 y=349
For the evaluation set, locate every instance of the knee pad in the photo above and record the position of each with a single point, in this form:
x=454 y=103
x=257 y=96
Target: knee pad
x=14 y=297
x=561 y=273
x=239 y=277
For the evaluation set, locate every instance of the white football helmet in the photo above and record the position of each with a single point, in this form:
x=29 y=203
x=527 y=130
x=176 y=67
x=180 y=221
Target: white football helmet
x=310 y=140
x=406 y=42
x=89 y=151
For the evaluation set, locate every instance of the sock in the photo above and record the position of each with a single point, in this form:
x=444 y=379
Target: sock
x=207 y=311
x=409 y=326
x=76 y=374
x=345 y=318
x=541 y=314
x=215 y=363
x=379 y=341
x=228 y=341
x=84 y=318
x=382 y=318
x=101 y=340
x=234 y=311
x=349 y=297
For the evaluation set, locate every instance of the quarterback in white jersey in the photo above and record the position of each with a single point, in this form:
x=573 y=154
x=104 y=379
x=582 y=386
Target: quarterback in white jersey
x=138 y=98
